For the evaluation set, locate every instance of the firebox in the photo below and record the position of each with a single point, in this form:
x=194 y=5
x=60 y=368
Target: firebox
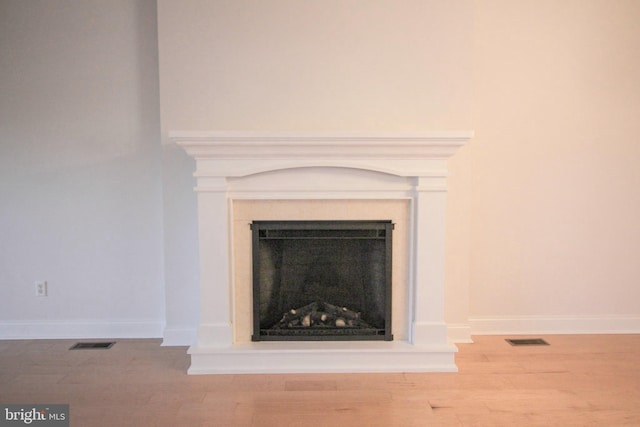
x=321 y=280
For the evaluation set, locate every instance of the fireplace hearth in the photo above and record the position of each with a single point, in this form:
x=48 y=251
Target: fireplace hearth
x=322 y=280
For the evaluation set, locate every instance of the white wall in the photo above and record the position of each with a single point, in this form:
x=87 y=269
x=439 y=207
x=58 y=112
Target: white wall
x=315 y=65
x=543 y=204
x=556 y=173
x=80 y=189
x=290 y=65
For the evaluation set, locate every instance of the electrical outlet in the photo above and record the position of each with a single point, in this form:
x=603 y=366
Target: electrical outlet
x=41 y=288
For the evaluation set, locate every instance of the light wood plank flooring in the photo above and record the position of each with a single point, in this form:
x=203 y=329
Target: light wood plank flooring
x=579 y=380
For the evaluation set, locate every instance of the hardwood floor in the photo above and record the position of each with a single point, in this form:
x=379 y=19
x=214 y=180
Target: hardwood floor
x=578 y=380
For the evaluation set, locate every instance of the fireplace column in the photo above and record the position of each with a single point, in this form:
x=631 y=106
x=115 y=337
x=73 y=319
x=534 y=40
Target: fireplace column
x=428 y=326
x=215 y=329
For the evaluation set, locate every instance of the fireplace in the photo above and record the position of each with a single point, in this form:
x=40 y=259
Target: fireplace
x=315 y=173
x=322 y=280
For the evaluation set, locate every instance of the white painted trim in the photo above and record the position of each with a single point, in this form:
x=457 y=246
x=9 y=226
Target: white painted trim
x=503 y=325
x=283 y=138
x=236 y=154
x=179 y=337
x=320 y=195
x=80 y=329
x=459 y=333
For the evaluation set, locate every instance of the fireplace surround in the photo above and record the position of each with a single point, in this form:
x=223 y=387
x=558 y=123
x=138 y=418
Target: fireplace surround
x=316 y=167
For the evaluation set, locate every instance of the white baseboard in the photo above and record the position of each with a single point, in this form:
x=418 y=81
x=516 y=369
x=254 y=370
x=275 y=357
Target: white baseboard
x=179 y=336
x=523 y=325
x=459 y=333
x=79 y=329
x=456 y=333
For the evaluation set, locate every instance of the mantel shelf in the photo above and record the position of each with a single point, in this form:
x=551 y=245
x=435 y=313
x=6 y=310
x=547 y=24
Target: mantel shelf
x=233 y=154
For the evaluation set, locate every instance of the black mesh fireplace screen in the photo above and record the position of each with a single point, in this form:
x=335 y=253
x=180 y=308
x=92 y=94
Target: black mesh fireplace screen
x=321 y=280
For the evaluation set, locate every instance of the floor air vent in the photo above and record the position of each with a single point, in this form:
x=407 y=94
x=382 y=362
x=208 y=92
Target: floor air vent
x=92 y=346
x=527 y=341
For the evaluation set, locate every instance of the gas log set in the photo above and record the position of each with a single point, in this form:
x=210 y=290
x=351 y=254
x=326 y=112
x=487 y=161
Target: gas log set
x=321 y=315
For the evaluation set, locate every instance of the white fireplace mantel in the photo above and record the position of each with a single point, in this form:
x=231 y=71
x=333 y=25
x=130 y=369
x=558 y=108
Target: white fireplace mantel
x=234 y=154
x=304 y=165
